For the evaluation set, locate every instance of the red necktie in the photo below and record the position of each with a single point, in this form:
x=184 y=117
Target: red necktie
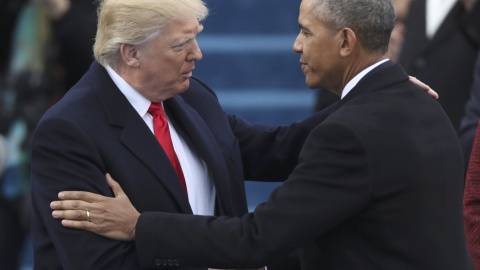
x=471 y=202
x=162 y=133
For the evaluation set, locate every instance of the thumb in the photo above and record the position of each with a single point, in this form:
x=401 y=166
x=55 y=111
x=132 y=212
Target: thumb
x=116 y=188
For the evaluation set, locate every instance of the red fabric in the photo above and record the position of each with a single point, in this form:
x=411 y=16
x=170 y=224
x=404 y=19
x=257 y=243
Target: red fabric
x=471 y=202
x=162 y=133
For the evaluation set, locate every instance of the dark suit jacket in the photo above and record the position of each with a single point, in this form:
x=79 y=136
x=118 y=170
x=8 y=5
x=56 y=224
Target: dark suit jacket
x=469 y=123
x=379 y=185
x=444 y=62
x=94 y=130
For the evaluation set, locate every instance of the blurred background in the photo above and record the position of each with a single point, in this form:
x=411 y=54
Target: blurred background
x=46 y=47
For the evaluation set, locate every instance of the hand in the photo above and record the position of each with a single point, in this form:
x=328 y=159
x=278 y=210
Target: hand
x=113 y=218
x=425 y=87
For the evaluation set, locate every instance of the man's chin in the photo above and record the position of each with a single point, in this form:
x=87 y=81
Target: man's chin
x=311 y=85
x=185 y=85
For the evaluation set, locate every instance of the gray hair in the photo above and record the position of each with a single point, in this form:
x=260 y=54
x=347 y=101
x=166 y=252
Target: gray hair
x=136 y=22
x=371 y=20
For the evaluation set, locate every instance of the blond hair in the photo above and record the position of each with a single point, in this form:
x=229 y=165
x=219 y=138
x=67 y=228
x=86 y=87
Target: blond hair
x=137 y=22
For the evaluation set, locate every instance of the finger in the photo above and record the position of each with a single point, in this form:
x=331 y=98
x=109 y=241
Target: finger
x=433 y=94
x=116 y=188
x=82 y=225
x=425 y=87
x=70 y=205
x=79 y=195
x=79 y=215
x=420 y=83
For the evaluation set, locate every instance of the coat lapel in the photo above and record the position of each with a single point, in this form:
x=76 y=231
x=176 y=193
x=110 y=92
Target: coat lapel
x=194 y=129
x=136 y=136
x=140 y=141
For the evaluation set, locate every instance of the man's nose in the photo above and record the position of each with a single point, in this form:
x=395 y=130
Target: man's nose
x=298 y=45
x=196 y=54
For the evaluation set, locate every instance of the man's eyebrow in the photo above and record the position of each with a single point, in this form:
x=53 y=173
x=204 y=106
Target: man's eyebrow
x=181 y=41
x=302 y=27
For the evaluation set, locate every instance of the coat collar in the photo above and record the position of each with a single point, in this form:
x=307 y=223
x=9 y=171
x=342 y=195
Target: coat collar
x=380 y=77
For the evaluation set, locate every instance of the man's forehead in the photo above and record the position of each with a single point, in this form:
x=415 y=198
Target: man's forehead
x=306 y=12
x=191 y=28
x=307 y=5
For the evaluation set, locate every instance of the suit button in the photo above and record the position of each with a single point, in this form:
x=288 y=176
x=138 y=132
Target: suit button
x=176 y=263
x=170 y=263
x=420 y=63
x=158 y=262
x=164 y=263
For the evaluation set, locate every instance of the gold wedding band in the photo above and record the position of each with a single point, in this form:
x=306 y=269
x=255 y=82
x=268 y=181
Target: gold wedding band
x=88 y=215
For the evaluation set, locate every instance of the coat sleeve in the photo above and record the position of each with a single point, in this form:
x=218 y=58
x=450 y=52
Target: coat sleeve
x=64 y=158
x=331 y=183
x=270 y=153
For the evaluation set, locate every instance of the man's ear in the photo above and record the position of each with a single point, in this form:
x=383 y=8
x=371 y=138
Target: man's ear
x=348 y=41
x=130 y=55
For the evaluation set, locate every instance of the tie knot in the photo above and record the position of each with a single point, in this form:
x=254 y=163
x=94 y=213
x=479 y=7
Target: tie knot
x=156 y=109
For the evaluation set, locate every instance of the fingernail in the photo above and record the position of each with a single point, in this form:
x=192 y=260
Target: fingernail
x=53 y=205
x=61 y=195
x=55 y=213
x=65 y=222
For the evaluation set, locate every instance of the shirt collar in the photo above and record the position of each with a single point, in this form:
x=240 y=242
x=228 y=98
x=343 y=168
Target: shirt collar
x=353 y=82
x=139 y=102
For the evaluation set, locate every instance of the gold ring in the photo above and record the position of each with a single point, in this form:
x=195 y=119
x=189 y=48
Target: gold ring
x=88 y=215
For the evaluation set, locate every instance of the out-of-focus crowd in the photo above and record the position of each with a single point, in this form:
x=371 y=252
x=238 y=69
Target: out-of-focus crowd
x=46 y=47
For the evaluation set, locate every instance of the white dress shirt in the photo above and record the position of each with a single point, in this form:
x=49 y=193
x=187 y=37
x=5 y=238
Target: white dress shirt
x=437 y=11
x=200 y=187
x=353 y=82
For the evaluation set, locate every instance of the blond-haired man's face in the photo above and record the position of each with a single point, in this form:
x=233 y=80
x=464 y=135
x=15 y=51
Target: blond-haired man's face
x=166 y=64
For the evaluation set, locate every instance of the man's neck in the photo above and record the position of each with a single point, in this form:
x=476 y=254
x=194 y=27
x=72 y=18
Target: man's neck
x=357 y=72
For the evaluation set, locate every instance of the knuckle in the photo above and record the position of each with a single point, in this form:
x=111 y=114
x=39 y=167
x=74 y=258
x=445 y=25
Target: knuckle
x=77 y=214
x=76 y=204
x=83 y=225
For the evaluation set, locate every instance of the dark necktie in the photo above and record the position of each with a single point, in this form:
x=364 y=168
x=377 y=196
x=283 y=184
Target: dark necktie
x=471 y=202
x=162 y=133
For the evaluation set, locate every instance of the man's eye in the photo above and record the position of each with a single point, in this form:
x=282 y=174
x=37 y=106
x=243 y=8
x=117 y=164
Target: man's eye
x=179 y=47
x=182 y=45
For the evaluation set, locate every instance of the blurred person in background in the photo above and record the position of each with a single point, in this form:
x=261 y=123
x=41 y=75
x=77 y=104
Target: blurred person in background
x=11 y=229
x=74 y=34
x=470 y=138
x=440 y=50
x=398 y=33
x=32 y=78
x=469 y=123
x=9 y=10
x=24 y=41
